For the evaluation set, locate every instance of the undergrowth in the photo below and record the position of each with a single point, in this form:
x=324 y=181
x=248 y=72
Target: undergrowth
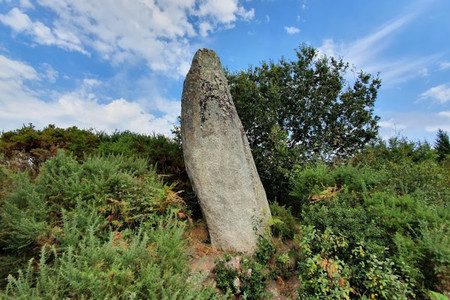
x=86 y=216
x=103 y=228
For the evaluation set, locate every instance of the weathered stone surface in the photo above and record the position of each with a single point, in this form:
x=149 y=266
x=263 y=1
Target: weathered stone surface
x=218 y=158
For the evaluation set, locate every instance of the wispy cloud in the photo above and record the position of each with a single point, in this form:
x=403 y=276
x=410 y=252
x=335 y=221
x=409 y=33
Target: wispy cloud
x=440 y=93
x=391 y=124
x=291 y=29
x=424 y=72
x=367 y=52
x=413 y=124
x=444 y=65
x=444 y=114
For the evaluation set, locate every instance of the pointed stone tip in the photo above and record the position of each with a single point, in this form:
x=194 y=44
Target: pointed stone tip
x=206 y=58
x=205 y=50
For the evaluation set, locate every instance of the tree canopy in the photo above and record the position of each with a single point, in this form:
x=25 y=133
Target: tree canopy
x=298 y=110
x=442 y=145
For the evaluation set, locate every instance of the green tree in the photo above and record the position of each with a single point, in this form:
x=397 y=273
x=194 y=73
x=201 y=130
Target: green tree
x=442 y=145
x=294 y=111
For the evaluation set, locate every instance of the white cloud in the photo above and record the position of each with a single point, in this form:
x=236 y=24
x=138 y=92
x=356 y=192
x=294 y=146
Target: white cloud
x=17 y=20
x=16 y=70
x=424 y=72
x=291 y=30
x=20 y=22
x=81 y=107
x=413 y=124
x=444 y=114
x=49 y=73
x=247 y=15
x=223 y=11
x=441 y=93
x=204 y=28
x=445 y=65
x=26 y=4
x=391 y=124
x=156 y=32
x=434 y=129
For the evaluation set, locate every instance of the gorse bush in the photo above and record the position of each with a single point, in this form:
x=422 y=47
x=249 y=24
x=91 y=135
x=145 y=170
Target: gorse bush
x=142 y=265
x=119 y=188
x=391 y=205
x=27 y=149
x=106 y=227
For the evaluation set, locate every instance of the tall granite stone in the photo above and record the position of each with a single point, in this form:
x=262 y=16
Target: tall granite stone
x=218 y=158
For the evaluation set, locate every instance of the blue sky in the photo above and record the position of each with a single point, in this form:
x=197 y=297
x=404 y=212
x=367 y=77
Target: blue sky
x=116 y=64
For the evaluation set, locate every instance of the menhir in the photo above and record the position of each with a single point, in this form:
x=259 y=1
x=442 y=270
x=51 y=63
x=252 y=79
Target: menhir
x=218 y=158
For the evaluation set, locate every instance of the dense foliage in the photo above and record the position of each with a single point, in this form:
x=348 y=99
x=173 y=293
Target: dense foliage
x=384 y=217
x=101 y=223
x=106 y=227
x=27 y=148
x=298 y=110
x=442 y=145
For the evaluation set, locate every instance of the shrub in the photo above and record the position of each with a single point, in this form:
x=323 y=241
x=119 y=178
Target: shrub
x=120 y=188
x=159 y=151
x=23 y=215
x=391 y=199
x=241 y=276
x=225 y=275
x=379 y=278
x=70 y=201
x=322 y=274
x=137 y=266
x=282 y=222
x=27 y=148
x=254 y=279
x=264 y=250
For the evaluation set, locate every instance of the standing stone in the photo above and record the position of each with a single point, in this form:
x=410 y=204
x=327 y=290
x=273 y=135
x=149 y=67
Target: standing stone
x=218 y=158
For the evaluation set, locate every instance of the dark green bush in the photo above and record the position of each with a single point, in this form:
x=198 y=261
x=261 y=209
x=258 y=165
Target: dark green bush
x=23 y=215
x=27 y=148
x=282 y=223
x=254 y=279
x=265 y=249
x=241 y=276
x=393 y=199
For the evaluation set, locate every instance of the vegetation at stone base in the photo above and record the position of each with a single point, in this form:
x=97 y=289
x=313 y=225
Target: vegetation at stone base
x=375 y=227
x=298 y=110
